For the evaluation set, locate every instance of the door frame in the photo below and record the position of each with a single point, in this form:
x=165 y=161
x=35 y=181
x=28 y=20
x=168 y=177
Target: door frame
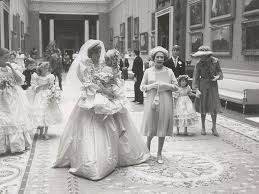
x=170 y=11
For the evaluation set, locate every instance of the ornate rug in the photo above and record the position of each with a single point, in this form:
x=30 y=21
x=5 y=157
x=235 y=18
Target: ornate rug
x=193 y=164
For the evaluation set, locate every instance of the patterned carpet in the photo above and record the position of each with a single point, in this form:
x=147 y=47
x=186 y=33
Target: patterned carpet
x=194 y=164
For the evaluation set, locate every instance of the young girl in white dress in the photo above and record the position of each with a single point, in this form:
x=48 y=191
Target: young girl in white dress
x=45 y=106
x=15 y=122
x=185 y=114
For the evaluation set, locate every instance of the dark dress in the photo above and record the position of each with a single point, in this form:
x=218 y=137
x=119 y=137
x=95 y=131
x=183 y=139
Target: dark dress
x=204 y=72
x=179 y=69
x=56 y=67
x=137 y=69
x=27 y=74
x=124 y=68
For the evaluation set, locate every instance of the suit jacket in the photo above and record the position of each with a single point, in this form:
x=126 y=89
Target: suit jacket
x=179 y=69
x=137 y=68
x=56 y=64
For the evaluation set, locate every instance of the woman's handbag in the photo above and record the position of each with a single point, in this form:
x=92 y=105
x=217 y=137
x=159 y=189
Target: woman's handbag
x=155 y=103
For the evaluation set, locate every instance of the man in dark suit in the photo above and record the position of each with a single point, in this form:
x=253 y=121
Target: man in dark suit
x=137 y=69
x=175 y=63
x=56 y=66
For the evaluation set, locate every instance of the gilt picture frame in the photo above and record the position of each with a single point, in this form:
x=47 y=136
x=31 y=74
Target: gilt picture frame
x=222 y=40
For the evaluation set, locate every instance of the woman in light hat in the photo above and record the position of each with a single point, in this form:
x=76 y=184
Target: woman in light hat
x=206 y=73
x=158 y=82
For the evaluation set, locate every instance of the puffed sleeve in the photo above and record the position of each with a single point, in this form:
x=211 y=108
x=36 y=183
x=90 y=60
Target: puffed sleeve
x=196 y=76
x=85 y=75
x=34 y=83
x=17 y=74
x=144 y=83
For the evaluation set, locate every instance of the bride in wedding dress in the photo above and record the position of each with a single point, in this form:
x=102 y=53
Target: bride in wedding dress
x=90 y=145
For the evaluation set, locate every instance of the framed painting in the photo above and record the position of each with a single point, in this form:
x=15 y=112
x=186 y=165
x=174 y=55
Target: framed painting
x=153 y=41
x=250 y=42
x=122 y=45
x=111 y=34
x=222 y=10
x=144 y=42
x=196 y=40
x=122 y=30
x=116 y=42
x=153 y=20
x=222 y=39
x=136 y=45
x=136 y=27
x=250 y=7
x=130 y=31
x=197 y=14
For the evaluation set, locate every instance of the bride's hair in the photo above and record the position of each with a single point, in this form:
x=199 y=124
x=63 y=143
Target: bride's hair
x=94 y=49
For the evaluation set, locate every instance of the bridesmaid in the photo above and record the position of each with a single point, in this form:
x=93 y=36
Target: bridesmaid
x=158 y=82
x=15 y=122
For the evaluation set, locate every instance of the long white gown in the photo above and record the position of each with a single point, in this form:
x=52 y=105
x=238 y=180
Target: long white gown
x=91 y=146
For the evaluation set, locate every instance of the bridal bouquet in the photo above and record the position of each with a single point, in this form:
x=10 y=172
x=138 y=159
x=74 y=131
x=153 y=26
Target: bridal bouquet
x=6 y=82
x=105 y=78
x=53 y=95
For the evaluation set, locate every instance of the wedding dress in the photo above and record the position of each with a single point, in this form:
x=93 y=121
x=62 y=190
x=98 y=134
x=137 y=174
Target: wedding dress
x=90 y=145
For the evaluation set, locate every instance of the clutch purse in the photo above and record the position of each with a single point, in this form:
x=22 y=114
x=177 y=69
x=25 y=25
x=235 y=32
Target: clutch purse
x=155 y=103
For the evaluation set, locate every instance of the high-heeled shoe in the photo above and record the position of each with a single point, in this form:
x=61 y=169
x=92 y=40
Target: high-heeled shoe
x=203 y=132
x=214 y=132
x=160 y=160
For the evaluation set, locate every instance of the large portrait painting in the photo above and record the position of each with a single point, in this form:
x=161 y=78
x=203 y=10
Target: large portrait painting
x=251 y=7
x=130 y=31
x=136 y=45
x=221 y=10
x=116 y=42
x=136 y=27
x=250 y=41
x=111 y=34
x=122 y=30
x=197 y=14
x=196 y=41
x=221 y=39
x=144 y=42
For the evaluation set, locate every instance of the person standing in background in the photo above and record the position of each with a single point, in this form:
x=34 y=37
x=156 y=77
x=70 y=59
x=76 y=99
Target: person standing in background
x=137 y=69
x=57 y=66
x=175 y=63
x=66 y=62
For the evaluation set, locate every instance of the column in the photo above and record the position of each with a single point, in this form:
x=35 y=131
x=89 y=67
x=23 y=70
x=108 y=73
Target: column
x=2 y=26
x=86 y=30
x=40 y=37
x=97 y=29
x=171 y=30
x=51 y=30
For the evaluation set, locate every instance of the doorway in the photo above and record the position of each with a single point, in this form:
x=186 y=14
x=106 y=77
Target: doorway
x=163 y=32
x=69 y=35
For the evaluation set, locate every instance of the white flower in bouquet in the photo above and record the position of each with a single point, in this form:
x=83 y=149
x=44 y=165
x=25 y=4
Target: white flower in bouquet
x=53 y=95
x=6 y=82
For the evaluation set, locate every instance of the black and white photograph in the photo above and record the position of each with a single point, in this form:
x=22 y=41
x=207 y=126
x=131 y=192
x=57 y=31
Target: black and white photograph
x=129 y=97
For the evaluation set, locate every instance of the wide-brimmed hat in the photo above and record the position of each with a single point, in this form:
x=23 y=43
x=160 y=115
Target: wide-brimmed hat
x=203 y=50
x=158 y=49
x=3 y=51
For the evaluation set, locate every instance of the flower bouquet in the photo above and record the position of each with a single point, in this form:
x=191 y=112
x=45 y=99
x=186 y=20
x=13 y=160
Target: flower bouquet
x=6 y=82
x=53 y=95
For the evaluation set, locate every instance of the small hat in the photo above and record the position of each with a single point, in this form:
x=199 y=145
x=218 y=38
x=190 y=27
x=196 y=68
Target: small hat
x=186 y=77
x=158 y=49
x=203 y=50
x=3 y=51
